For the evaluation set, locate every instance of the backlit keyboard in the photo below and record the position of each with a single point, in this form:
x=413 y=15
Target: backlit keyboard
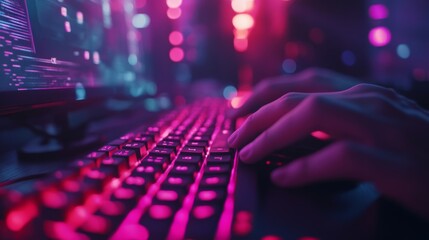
x=173 y=179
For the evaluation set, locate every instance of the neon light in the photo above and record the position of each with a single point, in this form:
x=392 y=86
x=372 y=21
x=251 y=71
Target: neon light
x=243 y=21
x=378 y=11
x=380 y=36
x=176 y=54
x=174 y=3
x=174 y=13
x=175 y=38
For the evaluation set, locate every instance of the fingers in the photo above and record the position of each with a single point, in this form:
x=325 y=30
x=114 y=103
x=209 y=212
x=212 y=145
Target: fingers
x=264 y=118
x=317 y=112
x=266 y=92
x=341 y=160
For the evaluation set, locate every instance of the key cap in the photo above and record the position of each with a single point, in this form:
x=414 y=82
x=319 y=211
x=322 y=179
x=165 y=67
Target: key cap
x=209 y=196
x=96 y=156
x=160 y=161
x=158 y=220
x=129 y=155
x=220 y=151
x=218 y=159
x=108 y=149
x=163 y=152
x=200 y=139
x=216 y=169
x=139 y=148
x=214 y=181
x=203 y=145
x=203 y=222
x=174 y=138
x=116 y=165
x=169 y=144
x=184 y=170
x=178 y=183
x=189 y=159
x=147 y=140
x=118 y=143
x=193 y=151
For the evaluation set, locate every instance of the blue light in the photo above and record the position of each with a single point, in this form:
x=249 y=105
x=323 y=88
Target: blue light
x=132 y=59
x=348 y=58
x=141 y=20
x=289 y=66
x=151 y=105
x=229 y=92
x=403 y=51
x=80 y=92
x=164 y=102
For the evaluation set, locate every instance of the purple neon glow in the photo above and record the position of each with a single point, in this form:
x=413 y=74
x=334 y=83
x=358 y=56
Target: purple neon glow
x=378 y=11
x=380 y=36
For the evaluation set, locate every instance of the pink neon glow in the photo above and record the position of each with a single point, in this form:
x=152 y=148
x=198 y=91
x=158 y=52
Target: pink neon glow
x=242 y=228
x=112 y=208
x=95 y=174
x=173 y=180
x=176 y=54
x=79 y=17
x=67 y=26
x=64 y=11
x=320 y=135
x=271 y=237
x=20 y=216
x=241 y=44
x=53 y=198
x=76 y=216
x=160 y=212
x=182 y=168
x=96 y=57
x=176 y=38
x=96 y=224
x=167 y=195
x=240 y=6
x=86 y=55
x=378 y=11
x=243 y=21
x=174 y=13
x=174 y=3
x=202 y=212
x=124 y=193
x=212 y=180
x=207 y=195
x=380 y=36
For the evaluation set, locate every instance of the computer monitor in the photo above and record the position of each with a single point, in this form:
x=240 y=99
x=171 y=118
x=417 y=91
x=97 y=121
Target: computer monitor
x=54 y=52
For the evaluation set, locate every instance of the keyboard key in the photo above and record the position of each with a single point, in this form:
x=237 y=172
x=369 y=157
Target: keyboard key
x=214 y=181
x=158 y=220
x=163 y=152
x=199 y=151
x=184 y=170
x=169 y=144
x=139 y=148
x=174 y=138
x=127 y=154
x=116 y=165
x=108 y=149
x=156 y=161
x=189 y=159
x=210 y=196
x=216 y=169
x=177 y=183
x=203 y=145
x=118 y=143
x=200 y=139
x=220 y=150
x=96 y=156
x=219 y=159
x=147 y=140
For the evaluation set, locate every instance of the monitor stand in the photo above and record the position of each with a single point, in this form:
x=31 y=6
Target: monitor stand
x=58 y=139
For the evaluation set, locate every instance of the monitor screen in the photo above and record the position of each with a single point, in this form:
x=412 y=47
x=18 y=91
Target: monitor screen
x=68 y=49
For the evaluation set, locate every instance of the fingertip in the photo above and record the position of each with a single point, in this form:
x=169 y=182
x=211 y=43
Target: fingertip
x=279 y=177
x=232 y=140
x=246 y=155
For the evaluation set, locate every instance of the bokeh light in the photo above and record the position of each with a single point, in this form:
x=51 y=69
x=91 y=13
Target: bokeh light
x=229 y=92
x=243 y=21
x=174 y=3
x=380 y=36
x=289 y=66
x=174 y=13
x=403 y=51
x=378 y=11
x=241 y=6
x=175 y=38
x=141 y=20
x=177 y=54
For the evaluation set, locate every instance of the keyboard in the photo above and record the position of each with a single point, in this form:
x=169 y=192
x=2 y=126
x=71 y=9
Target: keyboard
x=173 y=179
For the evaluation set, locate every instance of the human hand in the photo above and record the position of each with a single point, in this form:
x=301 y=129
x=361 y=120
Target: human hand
x=309 y=81
x=379 y=136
